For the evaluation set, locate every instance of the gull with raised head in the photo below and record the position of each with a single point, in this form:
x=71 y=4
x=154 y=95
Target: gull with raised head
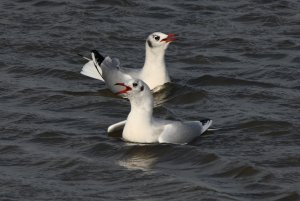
x=153 y=73
x=142 y=127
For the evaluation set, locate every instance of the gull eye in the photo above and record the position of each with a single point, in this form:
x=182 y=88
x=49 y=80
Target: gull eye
x=134 y=84
x=156 y=37
x=142 y=88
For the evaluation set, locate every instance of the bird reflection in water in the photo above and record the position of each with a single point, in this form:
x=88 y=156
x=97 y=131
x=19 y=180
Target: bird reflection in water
x=142 y=156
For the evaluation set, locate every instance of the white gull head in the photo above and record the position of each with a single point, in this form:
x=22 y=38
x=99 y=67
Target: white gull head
x=158 y=41
x=154 y=72
x=139 y=94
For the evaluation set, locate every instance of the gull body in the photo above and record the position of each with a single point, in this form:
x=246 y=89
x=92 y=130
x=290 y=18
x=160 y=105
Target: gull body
x=142 y=127
x=154 y=71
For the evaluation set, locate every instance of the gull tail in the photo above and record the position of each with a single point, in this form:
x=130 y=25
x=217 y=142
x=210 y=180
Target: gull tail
x=206 y=123
x=92 y=67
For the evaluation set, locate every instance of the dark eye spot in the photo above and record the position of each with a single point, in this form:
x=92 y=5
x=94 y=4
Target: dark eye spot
x=142 y=88
x=156 y=37
x=134 y=84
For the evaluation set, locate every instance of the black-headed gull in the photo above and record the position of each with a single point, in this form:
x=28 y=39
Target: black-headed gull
x=142 y=127
x=154 y=71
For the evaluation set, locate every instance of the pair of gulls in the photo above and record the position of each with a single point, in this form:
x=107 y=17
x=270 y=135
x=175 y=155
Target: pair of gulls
x=136 y=85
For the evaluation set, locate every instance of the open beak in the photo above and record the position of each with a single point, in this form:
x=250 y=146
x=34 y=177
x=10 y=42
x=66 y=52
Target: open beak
x=169 y=38
x=124 y=91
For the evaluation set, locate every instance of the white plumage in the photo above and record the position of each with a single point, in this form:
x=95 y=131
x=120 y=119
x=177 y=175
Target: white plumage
x=153 y=73
x=142 y=127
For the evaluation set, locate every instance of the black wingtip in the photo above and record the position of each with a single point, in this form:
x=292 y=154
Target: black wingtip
x=98 y=56
x=205 y=121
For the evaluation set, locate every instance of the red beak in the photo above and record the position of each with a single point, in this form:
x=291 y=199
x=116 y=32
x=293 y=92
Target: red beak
x=124 y=91
x=170 y=38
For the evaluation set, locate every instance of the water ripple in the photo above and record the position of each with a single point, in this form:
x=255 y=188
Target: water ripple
x=235 y=62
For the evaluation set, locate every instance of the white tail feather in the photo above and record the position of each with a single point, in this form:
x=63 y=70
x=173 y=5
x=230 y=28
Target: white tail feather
x=89 y=69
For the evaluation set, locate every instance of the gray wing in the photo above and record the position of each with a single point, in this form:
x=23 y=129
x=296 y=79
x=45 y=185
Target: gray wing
x=183 y=132
x=112 y=73
x=135 y=73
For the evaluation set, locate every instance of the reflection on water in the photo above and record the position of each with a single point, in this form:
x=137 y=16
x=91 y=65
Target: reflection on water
x=176 y=93
x=141 y=156
x=162 y=94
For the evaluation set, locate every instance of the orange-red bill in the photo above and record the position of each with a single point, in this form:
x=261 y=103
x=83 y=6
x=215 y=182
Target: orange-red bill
x=127 y=88
x=169 y=38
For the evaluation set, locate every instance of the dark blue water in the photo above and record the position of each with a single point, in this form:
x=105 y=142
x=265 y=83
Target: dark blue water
x=236 y=62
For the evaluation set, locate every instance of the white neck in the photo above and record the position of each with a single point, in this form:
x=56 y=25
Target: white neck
x=139 y=120
x=142 y=107
x=154 y=72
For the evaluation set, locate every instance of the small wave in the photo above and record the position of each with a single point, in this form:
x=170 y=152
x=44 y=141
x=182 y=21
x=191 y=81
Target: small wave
x=49 y=4
x=208 y=80
x=266 y=20
x=175 y=93
x=52 y=138
x=11 y=149
x=272 y=56
x=102 y=92
x=121 y=3
x=103 y=149
x=200 y=59
x=288 y=161
x=286 y=44
x=266 y=124
x=199 y=7
x=290 y=196
x=295 y=33
x=49 y=72
x=238 y=172
x=64 y=163
x=296 y=59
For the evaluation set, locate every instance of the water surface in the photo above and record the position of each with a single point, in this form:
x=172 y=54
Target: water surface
x=236 y=62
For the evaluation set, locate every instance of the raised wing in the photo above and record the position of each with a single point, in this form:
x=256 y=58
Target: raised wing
x=116 y=127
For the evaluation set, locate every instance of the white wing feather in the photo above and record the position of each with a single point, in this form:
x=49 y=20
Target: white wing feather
x=90 y=70
x=116 y=127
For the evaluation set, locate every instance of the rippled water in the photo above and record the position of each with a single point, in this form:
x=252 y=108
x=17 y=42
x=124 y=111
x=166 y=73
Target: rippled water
x=237 y=62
